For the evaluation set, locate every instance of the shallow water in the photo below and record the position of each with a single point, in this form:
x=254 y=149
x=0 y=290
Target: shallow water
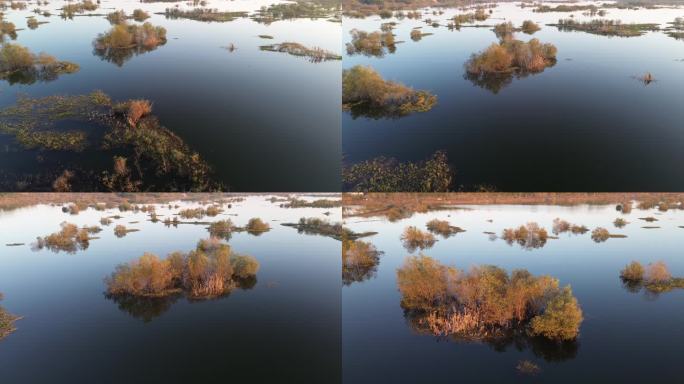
x=625 y=337
x=584 y=124
x=246 y=112
x=285 y=328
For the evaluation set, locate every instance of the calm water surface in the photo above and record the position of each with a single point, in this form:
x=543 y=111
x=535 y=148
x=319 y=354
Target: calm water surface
x=584 y=124
x=285 y=329
x=264 y=121
x=625 y=337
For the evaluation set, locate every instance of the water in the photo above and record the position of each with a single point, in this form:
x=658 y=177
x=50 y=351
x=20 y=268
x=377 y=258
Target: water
x=258 y=118
x=625 y=337
x=584 y=124
x=285 y=328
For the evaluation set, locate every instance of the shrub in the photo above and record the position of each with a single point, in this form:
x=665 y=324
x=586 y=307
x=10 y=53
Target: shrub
x=365 y=92
x=413 y=238
x=527 y=367
x=208 y=271
x=359 y=261
x=371 y=43
x=122 y=41
x=560 y=319
x=529 y=236
x=620 y=222
x=530 y=27
x=424 y=282
x=657 y=273
x=634 y=272
x=140 y=15
x=442 y=227
x=222 y=229
x=121 y=231
x=600 y=235
x=69 y=239
x=256 y=226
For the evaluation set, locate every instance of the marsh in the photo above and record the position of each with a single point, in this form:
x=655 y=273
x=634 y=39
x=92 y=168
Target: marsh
x=433 y=314
x=166 y=318
x=248 y=113
x=578 y=122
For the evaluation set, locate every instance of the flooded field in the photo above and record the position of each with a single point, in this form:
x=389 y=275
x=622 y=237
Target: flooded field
x=168 y=288
x=513 y=288
x=593 y=104
x=191 y=96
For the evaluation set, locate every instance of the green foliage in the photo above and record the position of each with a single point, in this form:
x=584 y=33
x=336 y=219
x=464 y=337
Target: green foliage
x=560 y=319
x=123 y=41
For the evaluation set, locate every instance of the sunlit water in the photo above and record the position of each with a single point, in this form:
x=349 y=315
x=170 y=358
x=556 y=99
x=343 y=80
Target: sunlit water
x=286 y=328
x=258 y=118
x=585 y=124
x=625 y=337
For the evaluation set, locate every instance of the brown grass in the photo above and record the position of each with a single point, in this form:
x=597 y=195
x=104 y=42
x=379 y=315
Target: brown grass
x=413 y=238
x=69 y=239
x=529 y=236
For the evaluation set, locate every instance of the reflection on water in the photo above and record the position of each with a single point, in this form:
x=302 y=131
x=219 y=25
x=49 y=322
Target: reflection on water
x=466 y=307
x=104 y=307
x=214 y=102
x=587 y=99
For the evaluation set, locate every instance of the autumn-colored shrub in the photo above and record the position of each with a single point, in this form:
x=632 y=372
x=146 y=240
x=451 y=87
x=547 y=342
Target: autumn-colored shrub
x=413 y=238
x=257 y=226
x=69 y=239
x=529 y=236
x=360 y=260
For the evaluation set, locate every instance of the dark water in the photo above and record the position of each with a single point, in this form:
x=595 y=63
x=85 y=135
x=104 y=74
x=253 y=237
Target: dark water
x=284 y=329
x=264 y=121
x=584 y=124
x=625 y=337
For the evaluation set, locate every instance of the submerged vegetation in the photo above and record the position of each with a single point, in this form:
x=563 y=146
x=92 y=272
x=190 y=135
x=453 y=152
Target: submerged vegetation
x=655 y=278
x=528 y=236
x=213 y=269
x=606 y=27
x=366 y=93
x=376 y=43
x=360 y=261
x=495 y=67
x=69 y=239
x=124 y=41
x=146 y=155
x=19 y=65
x=383 y=174
x=6 y=322
x=485 y=303
x=315 y=55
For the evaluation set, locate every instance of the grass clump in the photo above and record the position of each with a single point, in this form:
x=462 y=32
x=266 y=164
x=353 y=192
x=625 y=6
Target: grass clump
x=383 y=174
x=376 y=43
x=443 y=228
x=417 y=34
x=211 y=270
x=292 y=10
x=69 y=10
x=485 y=303
x=316 y=226
x=529 y=27
x=121 y=231
x=620 y=222
x=413 y=239
x=6 y=321
x=606 y=27
x=19 y=65
x=599 y=235
x=203 y=14
x=562 y=226
x=360 y=261
x=256 y=226
x=69 y=239
x=7 y=29
x=528 y=236
x=124 y=41
x=655 y=278
x=466 y=18
x=320 y=203
x=315 y=55
x=365 y=92
x=140 y=15
x=495 y=67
